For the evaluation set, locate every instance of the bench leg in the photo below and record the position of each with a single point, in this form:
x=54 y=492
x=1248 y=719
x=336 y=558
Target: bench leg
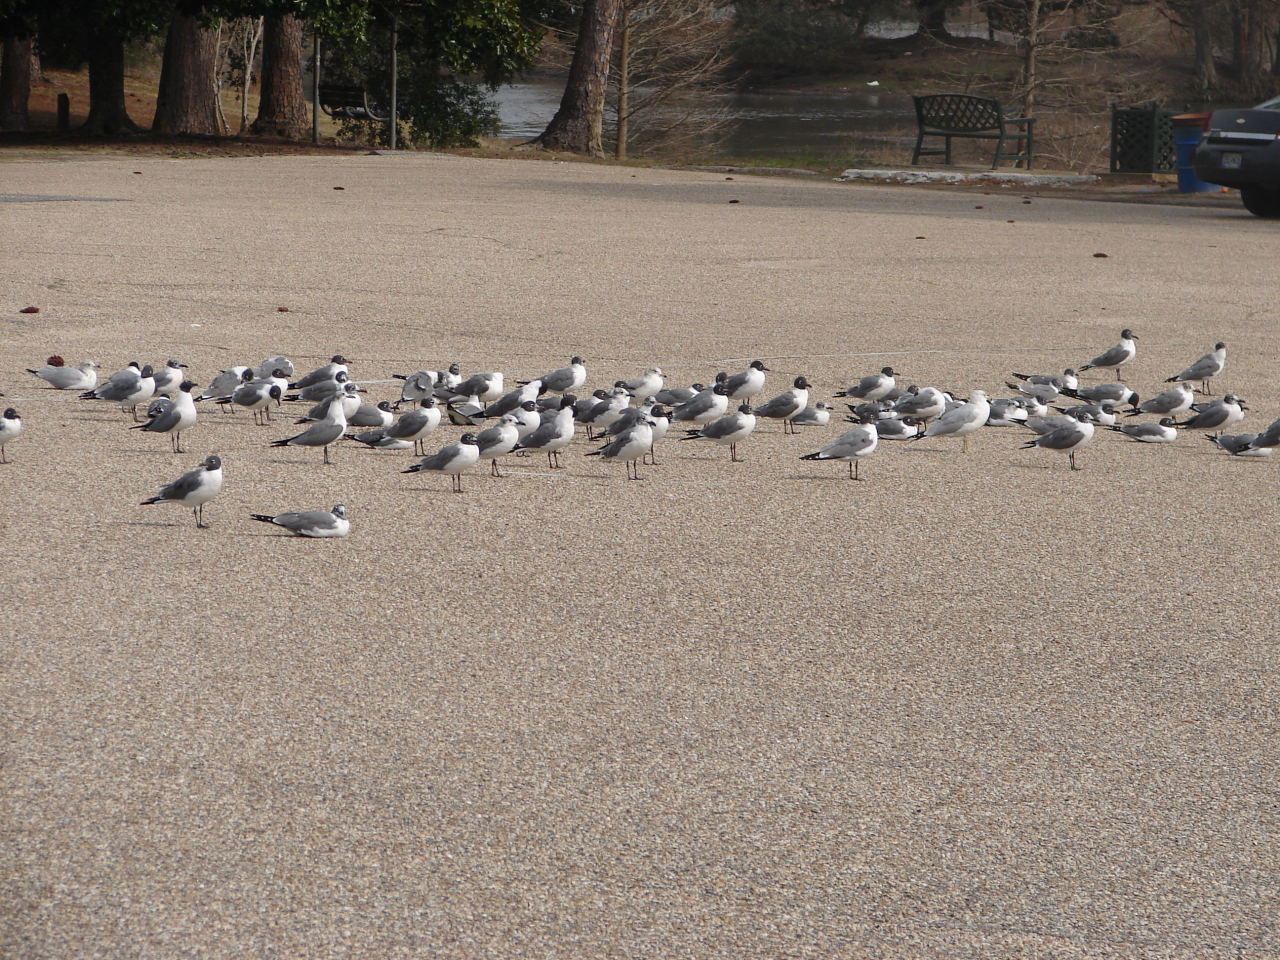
x=995 y=164
x=915 y=154
x=946 y=158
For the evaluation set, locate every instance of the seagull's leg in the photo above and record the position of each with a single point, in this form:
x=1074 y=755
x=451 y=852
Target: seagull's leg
x=493 y=468
x=326 y=453
x=2 y=456
x=964 y=446
x=849 y=464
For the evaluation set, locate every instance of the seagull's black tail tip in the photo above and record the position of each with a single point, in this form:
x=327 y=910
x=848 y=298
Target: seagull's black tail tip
x=1170 y=379
x=274 y=443
x=400 y=376
x=811 y=456
x=263 y=517
x=152 y=500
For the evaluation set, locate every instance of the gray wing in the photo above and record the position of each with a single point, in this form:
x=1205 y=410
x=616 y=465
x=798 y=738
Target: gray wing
x=1204 y=368
x=438 y=461
x=849 y=445
x=1140 y=430
x=782 y=405
x=408 y=424
x=318 y=436
x=1269 y=437
x=1164 y=402
x=164 y=421
x=1209 y=417
x=544 y=434
x=694 y=408
x=864 y=386
x=186 y=484
x=308 y=520
x=558 y=380
x=722 y=427
x=311 y=379
x=735 y=382
x=1113 y=356
x=61 y=377
x=490 y=437
x=1064 y=438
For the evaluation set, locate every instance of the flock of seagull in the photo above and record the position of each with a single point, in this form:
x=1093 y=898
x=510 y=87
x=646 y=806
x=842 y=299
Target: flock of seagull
x=630 y=418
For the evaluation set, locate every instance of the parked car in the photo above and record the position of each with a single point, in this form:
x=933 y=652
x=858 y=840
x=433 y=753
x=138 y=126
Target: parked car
x=1241 y=148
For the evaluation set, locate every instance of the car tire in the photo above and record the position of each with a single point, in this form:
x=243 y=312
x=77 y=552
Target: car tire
x=1260 y=201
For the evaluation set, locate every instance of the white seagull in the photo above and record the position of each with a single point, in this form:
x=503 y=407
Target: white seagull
x=453 y=460
x=312 y=523
x=10 y=427
x=851 y=446
x=1117 y=356
x=193 y=489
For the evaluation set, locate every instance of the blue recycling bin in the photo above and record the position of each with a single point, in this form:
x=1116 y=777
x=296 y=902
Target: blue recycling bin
x=1188 y=128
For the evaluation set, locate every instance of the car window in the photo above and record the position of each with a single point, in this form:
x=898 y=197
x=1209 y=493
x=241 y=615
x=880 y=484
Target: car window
x=1272 y=104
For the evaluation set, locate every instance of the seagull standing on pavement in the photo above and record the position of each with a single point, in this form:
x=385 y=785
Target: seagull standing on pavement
x=729 y=430
x=745 y=385
x=312 y=523
x=10 y=427
x=1117 y=356
x=708 y=405
x=453 y=460
x=497 y=441
x=818 y=415
x=1205 y=368
x=1216 y=415
x=961 y=420
x=1067 y=438
x=322 y=433
x=785 y=406
x=193 y=489
x=851 y=446
x=874 y=387
x=173 y=419
x=553 y=434
x=566 y=379
x=169 y=379
x=415 y=425
x=629 y=446
x=647 y=384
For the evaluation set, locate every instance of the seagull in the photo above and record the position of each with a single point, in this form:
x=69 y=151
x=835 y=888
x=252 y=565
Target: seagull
x=418 y=385
x=275 y=366
x=648 y=383
x=1216 y=415
x=1171 y=403
x=745 y=385
x=553 y=435
x=1067 y=438
x=256 y=395
x=487 y=387
x=729 y=430
x=467 y=412
x=786 y=405
x=83 y=376
x=322 y=390
x=1104 y=414
x=1066 y=379
x=962 y=420
x=1007 y=412
x=225 y=383
x=453 y=460
x=1239 y=444
x=630 y=445
x=566 y=379
x=818 y=415
x=169 y=378
x=10 y=427
x=350 y=397
x=1044 y=392
x=337 y=364
x=333 y=427
x=312 y=523
x=661 y=424
x=674 y=396
x=173 y=419
x=193 y=489
x=926 y=405
x=1103 y=393
x=894 y=428
x=372 y=415
x=530 y=390
x=498 y=441
x=874 y=387
x=527 y=418
x=607 y=410
x=378 y=440
x=1206 y=368
x=128 y=388
x=1162 y=432
x=851 y=447
x=1268 y=438
x=1117 y=356
x=708 y=405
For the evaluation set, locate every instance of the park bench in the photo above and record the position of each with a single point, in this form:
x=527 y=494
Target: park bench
x=952 y=115
x=350 y=102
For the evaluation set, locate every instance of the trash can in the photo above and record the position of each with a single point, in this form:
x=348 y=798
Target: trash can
x=1188 y=129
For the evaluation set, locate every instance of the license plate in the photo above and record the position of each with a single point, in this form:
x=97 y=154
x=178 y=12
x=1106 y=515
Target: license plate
x=1231 y=161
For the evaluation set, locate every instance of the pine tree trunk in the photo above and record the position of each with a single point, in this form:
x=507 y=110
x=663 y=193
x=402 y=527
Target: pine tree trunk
x=578 y=124
x=187 y=100
x=282 y=110
x=107 y=113
x=624 y=87
x=15 y=83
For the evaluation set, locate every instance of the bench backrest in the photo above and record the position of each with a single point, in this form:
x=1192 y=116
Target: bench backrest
x=959 y=112
x=333 y=95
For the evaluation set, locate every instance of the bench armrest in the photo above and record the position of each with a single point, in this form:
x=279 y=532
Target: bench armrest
x=1026 y=120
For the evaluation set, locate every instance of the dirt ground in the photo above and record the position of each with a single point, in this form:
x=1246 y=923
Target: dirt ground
x=974 y=706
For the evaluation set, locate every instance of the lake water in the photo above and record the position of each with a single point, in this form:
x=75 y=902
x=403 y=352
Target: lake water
x=763 y=124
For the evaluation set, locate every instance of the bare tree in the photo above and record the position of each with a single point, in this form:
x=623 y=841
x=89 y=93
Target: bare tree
x=667 y=48
x=237 y=56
